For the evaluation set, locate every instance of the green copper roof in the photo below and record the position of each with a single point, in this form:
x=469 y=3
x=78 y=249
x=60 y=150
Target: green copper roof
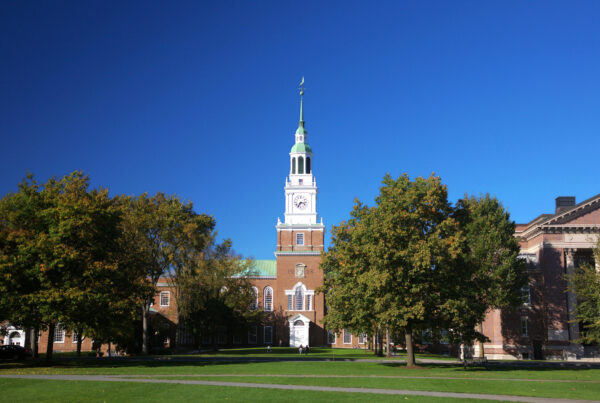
x=301 y=148
x=263 y=268
x=301 y=129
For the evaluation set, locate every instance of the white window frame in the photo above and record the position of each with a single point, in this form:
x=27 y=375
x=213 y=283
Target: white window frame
x=309 y=301
x=254 y=304
x=362 y=338
x=290 y=302
x=74 y=337
x=268 y=305
x=168 y=297
x=253 y=335
x=300 y=239
x=524 y=326
x=268 y=330
x=344 y=338
x=331 y=333
x=59 y=330
x=526 y=294
x=299 y=302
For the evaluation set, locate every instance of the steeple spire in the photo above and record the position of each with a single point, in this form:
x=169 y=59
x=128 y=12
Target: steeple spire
x=301 y=129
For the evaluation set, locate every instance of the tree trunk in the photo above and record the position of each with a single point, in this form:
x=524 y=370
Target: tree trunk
x=388 y=353
x=410 y=351
x=79 y=339
x=376 y=345
x=50 y=346
x=33 y=342
x=145 y=341
x=481 y=351
x=108 y=351
x=35 y=346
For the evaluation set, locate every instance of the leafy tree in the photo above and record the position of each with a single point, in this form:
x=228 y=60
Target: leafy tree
x=166 y=233
x=393 y=254
x=585 y=282
x=61 y=256
x=490 y=274
x=214 y=291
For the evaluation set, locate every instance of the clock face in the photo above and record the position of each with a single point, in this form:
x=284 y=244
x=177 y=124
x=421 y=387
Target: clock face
x=300 y=202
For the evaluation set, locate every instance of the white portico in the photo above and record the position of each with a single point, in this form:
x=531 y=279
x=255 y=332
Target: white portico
x=299 y=325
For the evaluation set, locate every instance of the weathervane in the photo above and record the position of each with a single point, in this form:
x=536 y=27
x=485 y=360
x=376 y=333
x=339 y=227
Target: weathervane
x=301 y=86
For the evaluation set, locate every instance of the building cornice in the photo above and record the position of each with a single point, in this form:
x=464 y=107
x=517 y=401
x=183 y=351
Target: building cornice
x=298 y=253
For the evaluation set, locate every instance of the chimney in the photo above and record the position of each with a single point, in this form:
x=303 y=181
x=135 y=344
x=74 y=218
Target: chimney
x=564 y=202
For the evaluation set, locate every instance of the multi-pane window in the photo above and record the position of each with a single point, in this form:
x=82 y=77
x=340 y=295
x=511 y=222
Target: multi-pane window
x=524 y=330
x=254 y=303
x=330 y=337
x=526 y=294
x=290 y=305
x=165 y=298
x=347 y=337
x=299 y=299
x=74 y=340
x=59 y=334
x=268 y=335
x=268 y=299
x=308 y=302
x=300 y=239
x=362 y=338
x=237 y=339
x=252 y=335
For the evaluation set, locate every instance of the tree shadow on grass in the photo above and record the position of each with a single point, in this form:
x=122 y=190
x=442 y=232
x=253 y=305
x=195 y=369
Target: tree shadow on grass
x=501 y=367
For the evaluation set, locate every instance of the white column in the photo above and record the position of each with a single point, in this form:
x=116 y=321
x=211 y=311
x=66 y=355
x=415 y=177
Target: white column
x=571 y=296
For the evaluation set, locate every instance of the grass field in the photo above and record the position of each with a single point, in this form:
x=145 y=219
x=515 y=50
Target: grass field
x=544 y=382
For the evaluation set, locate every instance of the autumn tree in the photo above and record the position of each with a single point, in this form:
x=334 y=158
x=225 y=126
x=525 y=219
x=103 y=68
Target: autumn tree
x=489 y=273
x=61 y=257
x=585 y=283
x=166 y=233
x=393 y=254
x=214 y=292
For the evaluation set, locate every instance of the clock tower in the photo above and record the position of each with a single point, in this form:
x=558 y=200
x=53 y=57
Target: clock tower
x=299 y=245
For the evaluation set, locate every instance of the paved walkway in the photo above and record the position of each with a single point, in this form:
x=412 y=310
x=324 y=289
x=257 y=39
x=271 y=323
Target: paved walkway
x=456 y=378
x=105 y=378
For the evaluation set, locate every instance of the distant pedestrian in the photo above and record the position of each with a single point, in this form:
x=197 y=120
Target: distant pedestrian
x=268 y=348
x=306 y=350
x=300 y=349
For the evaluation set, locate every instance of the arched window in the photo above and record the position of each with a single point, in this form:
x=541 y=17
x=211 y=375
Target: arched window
x=299 y=299
x=254 y=303
x=294 y=165
x=300 y=165
x=307 y=165
x=268 y=299
x=298 y=323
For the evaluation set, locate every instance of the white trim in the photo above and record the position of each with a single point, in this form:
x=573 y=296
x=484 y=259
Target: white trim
x=63 y=330
x=344 y=337
x=267 y=288
x=160 y=299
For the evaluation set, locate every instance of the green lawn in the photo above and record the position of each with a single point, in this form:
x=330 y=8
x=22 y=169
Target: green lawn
x=19 y=390
x=322 y=352
x=577 y=383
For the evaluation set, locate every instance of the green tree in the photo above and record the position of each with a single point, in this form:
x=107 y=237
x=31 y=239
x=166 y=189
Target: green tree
x=585 y=283
x=61 y=257
x=394 y=253
x=490 y=274
x=214 y=292
x=166 y=233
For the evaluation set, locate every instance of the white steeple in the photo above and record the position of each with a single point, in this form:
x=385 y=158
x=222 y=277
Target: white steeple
x=300 y=186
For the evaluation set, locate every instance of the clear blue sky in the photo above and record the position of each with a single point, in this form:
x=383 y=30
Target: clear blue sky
x=200 y=99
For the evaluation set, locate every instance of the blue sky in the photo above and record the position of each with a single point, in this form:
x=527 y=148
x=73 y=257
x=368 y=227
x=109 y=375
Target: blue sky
x=200 y=99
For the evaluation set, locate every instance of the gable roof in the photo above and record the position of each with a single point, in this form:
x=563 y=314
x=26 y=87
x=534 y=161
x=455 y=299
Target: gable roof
x=561 y=218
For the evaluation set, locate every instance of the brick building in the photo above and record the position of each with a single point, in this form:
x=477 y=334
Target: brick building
x=552 y=244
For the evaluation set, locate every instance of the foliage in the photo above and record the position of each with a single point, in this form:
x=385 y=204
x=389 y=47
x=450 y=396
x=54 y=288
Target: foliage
x=165 y=234
x=61 y=257
x=489 y=273
x=214 y=291
x=585 y=283
x=385 y=263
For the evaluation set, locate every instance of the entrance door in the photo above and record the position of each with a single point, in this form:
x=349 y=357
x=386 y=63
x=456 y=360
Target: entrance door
x=537 y=350
x=299 y=334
